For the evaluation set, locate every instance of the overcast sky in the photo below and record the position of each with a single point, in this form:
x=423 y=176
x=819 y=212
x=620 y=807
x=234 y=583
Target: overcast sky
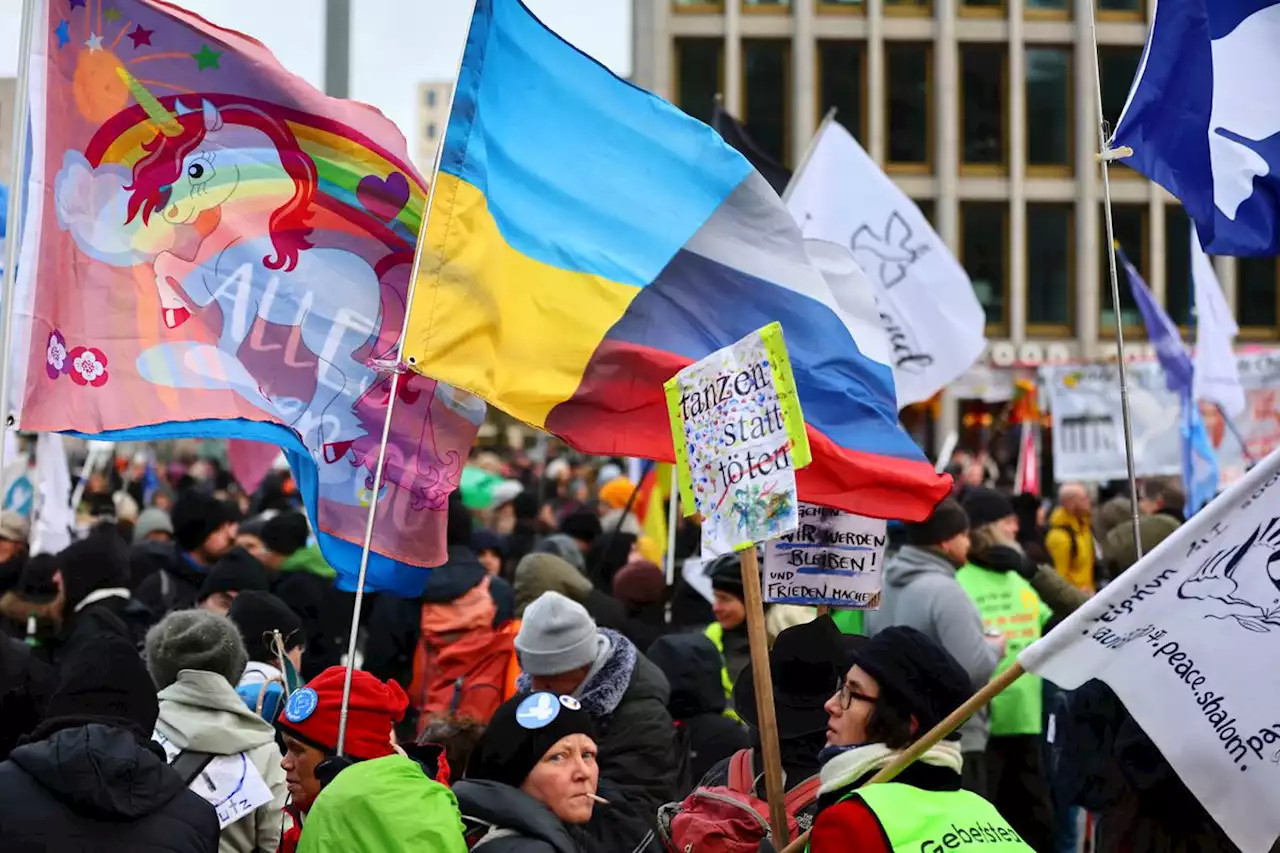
x=395 y=44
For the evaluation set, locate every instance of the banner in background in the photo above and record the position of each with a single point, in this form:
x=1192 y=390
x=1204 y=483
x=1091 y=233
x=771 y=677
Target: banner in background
x=1088 y=429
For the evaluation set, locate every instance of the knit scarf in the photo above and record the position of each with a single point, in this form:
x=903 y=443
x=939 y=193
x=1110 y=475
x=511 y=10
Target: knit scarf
x=857 y=762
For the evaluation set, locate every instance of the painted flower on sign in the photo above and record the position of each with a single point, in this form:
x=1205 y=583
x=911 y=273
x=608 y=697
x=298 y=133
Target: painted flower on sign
x=88 y=366
x=55 y=355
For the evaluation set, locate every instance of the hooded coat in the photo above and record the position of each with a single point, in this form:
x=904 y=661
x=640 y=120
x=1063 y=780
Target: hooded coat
x=921 y=592
x=96 y=788
x=502 y=819
x=387 y=805
x=201 y=711
x=26 y=683
x=692 y=667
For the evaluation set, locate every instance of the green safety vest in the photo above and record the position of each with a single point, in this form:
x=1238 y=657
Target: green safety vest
x=1008 y=604
x=715 y=633
x=920 y=821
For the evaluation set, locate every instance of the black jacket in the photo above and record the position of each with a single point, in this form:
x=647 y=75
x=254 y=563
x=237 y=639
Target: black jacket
x=517 y=823
x=325 y=612
x=126 y=617
x=169 y=582
x=644 y=624
x=98 y=789
x=692 y=667
x=25 y=686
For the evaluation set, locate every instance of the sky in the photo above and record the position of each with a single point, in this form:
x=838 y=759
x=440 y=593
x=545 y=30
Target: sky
x=395 y=44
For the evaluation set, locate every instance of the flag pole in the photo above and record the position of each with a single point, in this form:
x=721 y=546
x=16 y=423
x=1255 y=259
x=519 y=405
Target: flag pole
x=14 y=226
x=808 y=152
x=396 y=371
x=1105 y=155
x=953 y=721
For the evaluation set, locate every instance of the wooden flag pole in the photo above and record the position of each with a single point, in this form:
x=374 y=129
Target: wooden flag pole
x=952 y=722
x=759 y=641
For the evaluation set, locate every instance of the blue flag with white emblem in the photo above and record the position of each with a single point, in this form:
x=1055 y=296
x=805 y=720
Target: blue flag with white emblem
x=1203 y=118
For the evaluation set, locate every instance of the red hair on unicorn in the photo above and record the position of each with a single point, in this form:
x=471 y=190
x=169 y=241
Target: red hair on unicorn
x=183 y=135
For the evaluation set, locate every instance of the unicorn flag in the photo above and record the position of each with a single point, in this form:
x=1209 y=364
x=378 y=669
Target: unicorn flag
x=214 y=248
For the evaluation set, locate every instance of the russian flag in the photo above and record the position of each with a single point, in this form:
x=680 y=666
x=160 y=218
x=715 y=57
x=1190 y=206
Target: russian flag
x=587 y=240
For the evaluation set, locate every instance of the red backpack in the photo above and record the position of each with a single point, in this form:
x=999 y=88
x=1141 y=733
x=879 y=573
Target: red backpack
x=729 y=819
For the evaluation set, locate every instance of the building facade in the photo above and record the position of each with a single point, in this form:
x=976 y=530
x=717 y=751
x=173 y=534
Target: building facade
x=986 y=113
x=433 y=116
x=8 y=102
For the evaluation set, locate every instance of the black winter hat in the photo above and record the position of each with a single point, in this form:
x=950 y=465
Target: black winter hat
x=99 y=561
x=520 y=733
x=914 y=672
x=805 y=663
x=949 y=519
x=458 y=525
x=526 y=506
x=104 y=681
x=461 y=574
x=257 y=614
x=725 y=573
x=984 y=505
x=583 y=525
x=36 y=584
x=286 y=533
x=195 y=517
x=236 y=571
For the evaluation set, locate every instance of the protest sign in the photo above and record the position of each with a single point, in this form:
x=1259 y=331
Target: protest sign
x=739 y=437
x=833 y=557
x=1182 y=638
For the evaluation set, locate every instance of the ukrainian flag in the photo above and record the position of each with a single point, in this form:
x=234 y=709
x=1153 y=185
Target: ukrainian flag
x=587 y=239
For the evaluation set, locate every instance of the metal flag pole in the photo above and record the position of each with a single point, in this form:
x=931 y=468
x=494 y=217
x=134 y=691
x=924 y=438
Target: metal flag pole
x=14 y=215
x=808 y=152
x=396 y=370
x=1105 y=155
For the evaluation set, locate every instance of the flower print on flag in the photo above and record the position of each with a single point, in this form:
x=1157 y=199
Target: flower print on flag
x=88 y=366
x=55 y=357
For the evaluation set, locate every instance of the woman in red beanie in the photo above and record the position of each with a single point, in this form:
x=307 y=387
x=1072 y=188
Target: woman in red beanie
x=309 y=728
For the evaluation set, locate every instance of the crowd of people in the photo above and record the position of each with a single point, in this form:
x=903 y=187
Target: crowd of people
x=175 y=680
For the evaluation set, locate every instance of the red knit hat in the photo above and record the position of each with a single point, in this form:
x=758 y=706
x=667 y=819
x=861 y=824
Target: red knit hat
x=312 y=712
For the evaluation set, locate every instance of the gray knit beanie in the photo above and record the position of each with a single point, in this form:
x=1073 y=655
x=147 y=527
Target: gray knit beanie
x=556 y=636
x=152 y=520
x=195 y=639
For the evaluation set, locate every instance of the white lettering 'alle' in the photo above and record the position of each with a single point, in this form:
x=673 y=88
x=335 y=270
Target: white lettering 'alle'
x=1184 y=638
x=925 y=300
x=1217 y=375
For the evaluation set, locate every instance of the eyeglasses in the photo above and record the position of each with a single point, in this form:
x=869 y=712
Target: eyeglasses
x=847 y=694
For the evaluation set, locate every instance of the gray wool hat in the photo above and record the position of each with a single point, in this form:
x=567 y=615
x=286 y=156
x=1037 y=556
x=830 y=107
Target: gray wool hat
x=556 y=635
x=153 y=520
x=195 y=639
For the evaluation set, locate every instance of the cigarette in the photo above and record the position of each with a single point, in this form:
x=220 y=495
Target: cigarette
x=599 y=799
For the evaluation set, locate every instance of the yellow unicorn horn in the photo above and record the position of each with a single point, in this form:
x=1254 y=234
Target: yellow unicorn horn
x=155 y=110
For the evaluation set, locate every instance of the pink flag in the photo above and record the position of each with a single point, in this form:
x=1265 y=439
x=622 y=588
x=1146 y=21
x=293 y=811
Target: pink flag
x=250 y=461
x=214 y=248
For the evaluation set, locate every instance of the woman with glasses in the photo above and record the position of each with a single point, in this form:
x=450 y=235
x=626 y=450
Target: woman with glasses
x=898 y=685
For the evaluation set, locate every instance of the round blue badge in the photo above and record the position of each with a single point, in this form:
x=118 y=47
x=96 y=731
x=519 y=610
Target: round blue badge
x=537 y=710
x=302 y=704
x=571 y=703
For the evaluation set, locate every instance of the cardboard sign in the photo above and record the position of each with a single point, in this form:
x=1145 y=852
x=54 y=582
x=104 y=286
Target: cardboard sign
x=739 y=437
x=833 y=557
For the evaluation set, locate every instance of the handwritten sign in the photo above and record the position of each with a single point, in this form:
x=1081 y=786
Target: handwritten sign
x=739 y=437
x=233 y=786
x=833 y=558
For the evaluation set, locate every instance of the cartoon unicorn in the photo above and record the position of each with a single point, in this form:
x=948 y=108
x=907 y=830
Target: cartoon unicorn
x=238 y=175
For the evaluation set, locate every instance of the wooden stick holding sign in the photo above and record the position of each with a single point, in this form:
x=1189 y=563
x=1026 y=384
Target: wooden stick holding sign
x=952 y=722
x=738 y=435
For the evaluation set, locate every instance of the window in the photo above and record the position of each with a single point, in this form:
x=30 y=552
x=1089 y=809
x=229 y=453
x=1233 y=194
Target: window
x=1256 y=296
x=1118 y=65
x=431 y=130
x=982 y=8
x=843 y=83
x=1177 y=264
x=1130 y=224
x=910 y=109
x=1047 y=8
x=1121 y=9
x=927 y=208
x=907 y=7
x=431 y=98
x=1049 y=106
x=699 y=72
x=766 y=67
x=984 y=254
x=855 y=7
x=697 y=5
x=765 y=5
x=1050 y=267
x=982 y=108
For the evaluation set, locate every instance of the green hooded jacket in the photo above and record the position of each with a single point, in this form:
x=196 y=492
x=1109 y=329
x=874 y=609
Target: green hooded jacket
x=387 y=805
x=308 y=559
